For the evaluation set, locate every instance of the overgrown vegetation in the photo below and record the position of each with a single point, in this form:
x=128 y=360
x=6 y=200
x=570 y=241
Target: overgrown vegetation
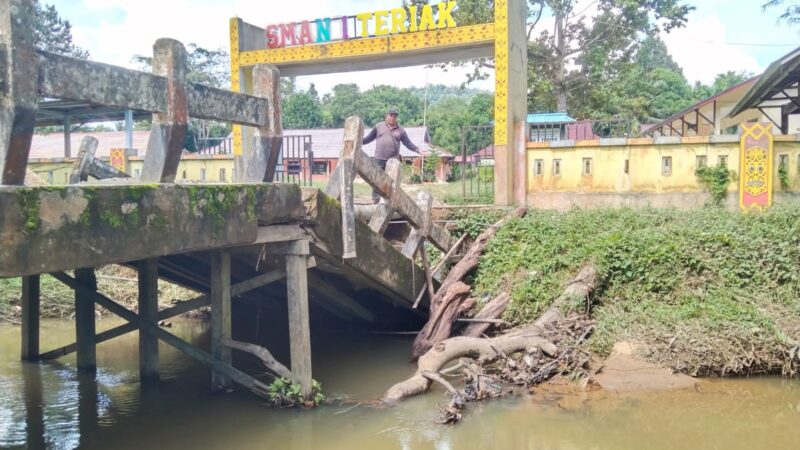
x=283 y=392
x=716 y=180
x=783 y=177
x=708 y=291
x=58 y=301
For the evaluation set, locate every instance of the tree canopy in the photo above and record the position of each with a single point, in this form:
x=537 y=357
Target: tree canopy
x=54 y=34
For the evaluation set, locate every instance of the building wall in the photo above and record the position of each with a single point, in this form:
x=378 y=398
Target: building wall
x=645 y=183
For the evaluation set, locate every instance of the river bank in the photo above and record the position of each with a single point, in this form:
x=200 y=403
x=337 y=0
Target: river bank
x=116 y=411
x=58 y=300
x=706 y=292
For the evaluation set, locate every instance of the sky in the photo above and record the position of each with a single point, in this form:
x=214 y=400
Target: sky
x=721 y=35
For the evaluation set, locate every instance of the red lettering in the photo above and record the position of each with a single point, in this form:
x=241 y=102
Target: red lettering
x=305 y=33
x=287 y=34
x=273 y=37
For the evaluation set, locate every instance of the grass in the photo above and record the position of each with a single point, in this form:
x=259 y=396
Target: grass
x=708 y=291
x=57 y=300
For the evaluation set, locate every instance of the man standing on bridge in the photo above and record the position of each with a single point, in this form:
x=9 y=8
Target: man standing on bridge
x=389 y=135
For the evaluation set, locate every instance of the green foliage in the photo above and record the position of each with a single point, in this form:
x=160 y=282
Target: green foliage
x=301 y=110
x=283 y=392
x=790 y=14
x=54 y=34
x=783 y=177
x=716 y=180
x=661 y=270
x=473 y=223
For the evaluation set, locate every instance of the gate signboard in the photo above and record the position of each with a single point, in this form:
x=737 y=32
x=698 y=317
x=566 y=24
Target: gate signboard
x=755 y=167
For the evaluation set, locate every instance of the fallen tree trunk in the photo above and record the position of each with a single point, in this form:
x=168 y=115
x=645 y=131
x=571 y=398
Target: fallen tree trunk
x=491 y=311
x=485 y=350
x=435 y=330
x=266 y=358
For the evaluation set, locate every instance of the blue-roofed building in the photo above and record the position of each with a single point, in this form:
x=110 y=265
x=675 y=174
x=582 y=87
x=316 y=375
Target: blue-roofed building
x=548 y=126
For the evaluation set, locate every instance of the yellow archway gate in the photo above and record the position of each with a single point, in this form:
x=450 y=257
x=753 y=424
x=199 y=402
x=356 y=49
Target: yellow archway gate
x=387 y=39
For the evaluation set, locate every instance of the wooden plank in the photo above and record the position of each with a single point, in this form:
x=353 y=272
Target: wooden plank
x=85 y=320
x=385 y=209
x=61 y=227
x=18 y=99
x=351 y=151
x=183 y=346
x=261 y=158
x=181 y=308
x=299 y=328
x=380 y=264
x=148 y=312
x=168 y=131
x=383 y=183
x=85 y=156
x=280 y=233
x=341 y=299
x=220 y=315
x=418 y=235
x=30 y=318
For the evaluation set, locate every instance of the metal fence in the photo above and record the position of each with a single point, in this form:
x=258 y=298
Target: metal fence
x=474 y=167
x=296 y=163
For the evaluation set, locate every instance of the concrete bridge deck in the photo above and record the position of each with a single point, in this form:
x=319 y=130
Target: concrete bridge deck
x=51 y=229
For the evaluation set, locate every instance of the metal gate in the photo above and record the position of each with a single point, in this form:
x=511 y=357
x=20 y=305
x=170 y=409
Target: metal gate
x=296 y=162
x=474 y=167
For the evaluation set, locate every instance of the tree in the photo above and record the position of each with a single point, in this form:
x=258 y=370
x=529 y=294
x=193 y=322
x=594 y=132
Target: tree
x=722 y=82
x=203 y=66
x=301 y=110
x=580 y=49
x=54 y=34
x=790 y=14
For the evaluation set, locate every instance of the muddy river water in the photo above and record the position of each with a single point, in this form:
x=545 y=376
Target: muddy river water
x=50 y=406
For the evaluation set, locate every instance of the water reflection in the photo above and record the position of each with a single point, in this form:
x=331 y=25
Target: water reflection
x=49 y=405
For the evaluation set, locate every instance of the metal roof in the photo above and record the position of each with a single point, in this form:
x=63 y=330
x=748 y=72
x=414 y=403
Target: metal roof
x=550 y=118
x=52 y=112
x=769 y=90
x=690 y=109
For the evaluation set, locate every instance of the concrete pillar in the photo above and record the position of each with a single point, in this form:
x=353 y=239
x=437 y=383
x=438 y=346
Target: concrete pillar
x=169 y=129
x=85 y=321
x=148 y=312
x=259 y=159
x=220 y=315
x=520 y=162
x=511 y=91
x=30 y=318
x=18 y=93
x=128 y=129
x=67 y=136
x=299 y=328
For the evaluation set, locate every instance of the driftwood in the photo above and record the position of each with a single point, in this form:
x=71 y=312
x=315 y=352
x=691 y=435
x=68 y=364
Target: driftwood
x=445 y=303
x=529 y=339
x=488 y=315
x=266 y=358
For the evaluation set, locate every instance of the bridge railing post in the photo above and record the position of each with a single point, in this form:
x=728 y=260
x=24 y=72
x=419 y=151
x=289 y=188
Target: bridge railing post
x=260 y=159
x=168 y=132
x=220 y=316
x=18 y=96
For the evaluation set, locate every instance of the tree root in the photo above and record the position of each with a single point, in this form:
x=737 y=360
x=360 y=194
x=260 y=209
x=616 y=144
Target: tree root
x=549 y=347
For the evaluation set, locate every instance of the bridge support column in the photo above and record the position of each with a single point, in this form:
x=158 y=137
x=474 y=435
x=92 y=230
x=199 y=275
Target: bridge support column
x=220 y=316
x=84 y=321
x=30 y=318
x=297 y=255
x=148 y=312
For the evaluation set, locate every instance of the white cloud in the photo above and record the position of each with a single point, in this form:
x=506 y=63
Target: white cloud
x=700 y=50
x=205 y=23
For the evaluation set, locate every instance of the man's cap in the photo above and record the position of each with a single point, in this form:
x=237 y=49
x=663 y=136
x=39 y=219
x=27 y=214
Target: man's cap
x=392 y=111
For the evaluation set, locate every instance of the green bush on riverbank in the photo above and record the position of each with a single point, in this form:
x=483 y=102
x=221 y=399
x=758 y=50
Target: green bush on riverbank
x=708 y=291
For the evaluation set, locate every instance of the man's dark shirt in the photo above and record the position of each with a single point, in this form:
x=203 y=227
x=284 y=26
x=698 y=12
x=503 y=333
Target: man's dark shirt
x=388 y=139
